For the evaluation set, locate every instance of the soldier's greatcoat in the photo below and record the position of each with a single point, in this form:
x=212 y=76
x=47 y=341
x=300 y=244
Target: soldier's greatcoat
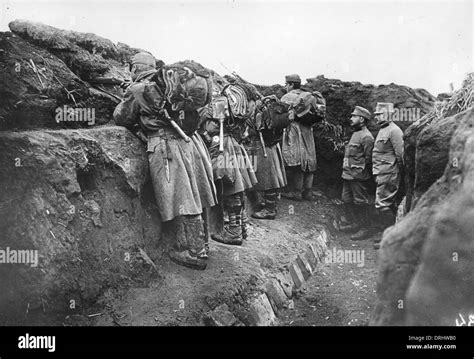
x=181 y=171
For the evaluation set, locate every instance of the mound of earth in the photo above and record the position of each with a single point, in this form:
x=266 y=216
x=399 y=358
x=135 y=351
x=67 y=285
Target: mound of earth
x=79 y=198
x=44 y=68
x=426 y=260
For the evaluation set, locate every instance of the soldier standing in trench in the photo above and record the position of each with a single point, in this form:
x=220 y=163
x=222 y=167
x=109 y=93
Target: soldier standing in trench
x=265 y=153
x=181 y=171
x=356 y=171
x=232 y=167
x=299 y=150
x=387 y=162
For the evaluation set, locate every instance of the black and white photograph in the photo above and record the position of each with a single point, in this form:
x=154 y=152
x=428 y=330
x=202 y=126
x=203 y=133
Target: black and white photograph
x=231 y=163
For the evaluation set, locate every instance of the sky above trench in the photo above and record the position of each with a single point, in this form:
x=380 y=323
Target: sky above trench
x=421 y=44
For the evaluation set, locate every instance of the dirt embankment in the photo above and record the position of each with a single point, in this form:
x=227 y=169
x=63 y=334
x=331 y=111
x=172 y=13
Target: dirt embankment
x=426 y=259
x=77 y=191
x=79 y=198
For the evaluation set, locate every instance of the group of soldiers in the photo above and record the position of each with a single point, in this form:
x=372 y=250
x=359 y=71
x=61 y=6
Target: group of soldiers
x=219 y=155
x=364 y=158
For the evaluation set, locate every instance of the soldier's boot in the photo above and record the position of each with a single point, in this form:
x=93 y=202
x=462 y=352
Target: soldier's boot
x=260 y=199
x=269 y=210
x=238 y=218
x=391 y=217
x=307 y=195
x=190 y=251
x=394 y=208
x=308 y=187
x=244 y=220
x=386 y=217
x=377 y=240
x=244 y=223
x=351 y=224
x=205 y=218
x=293 y=195
x=232 y=232
x=363 y=214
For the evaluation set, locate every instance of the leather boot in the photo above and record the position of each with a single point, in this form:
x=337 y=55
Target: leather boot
x=386 y=218
x=205 y=219
x=242 y=216
x=187 y=259
x=394 y=208
x=244 y=223
x=232 y=232
x=308 y=186
x=351 y=224
x=363 y=215
x=308 y=195
x=377 y=240
x=269 y=210
x=190 y=250
x=293 y=195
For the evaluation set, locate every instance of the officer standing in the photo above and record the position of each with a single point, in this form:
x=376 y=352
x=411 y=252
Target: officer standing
x=356 y=173
x=387 y=161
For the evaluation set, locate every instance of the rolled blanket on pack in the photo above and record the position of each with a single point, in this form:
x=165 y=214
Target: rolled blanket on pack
x=237 y=100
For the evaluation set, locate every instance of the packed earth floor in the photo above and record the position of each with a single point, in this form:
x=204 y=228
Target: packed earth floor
x=339 y=294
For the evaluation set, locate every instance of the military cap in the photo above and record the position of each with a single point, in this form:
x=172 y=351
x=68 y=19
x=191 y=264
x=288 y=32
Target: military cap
x=384 y=107
x=360 y=111
x=293 y=78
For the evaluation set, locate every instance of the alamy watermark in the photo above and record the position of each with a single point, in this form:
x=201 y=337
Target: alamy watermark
x=237 y=161
x=19 y=256
x=28 y=341
x=403 y=114
x=345 y=256
x=72 y=114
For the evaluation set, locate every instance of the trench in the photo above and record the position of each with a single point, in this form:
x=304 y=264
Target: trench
x=116 y=271
x=334 y=294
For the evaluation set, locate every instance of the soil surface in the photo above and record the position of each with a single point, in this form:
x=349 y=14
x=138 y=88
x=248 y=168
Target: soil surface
x=178 y=296
x=338 y=294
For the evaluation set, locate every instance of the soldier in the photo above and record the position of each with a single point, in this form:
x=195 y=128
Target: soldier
x=299 y=150
x=387 y=161
x=356 y=170
x=265 y=152
x=181 y=171
x=233 y=170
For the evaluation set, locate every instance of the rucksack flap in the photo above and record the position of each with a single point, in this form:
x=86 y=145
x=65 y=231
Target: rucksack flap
x=185 y=89
x=320 y=100
x=271 y=119
x=310 y=108
x=275 y=114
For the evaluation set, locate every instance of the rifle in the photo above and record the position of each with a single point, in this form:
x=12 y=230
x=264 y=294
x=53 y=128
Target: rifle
x=96 y=82
x=175 y=125
x=111 y=81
